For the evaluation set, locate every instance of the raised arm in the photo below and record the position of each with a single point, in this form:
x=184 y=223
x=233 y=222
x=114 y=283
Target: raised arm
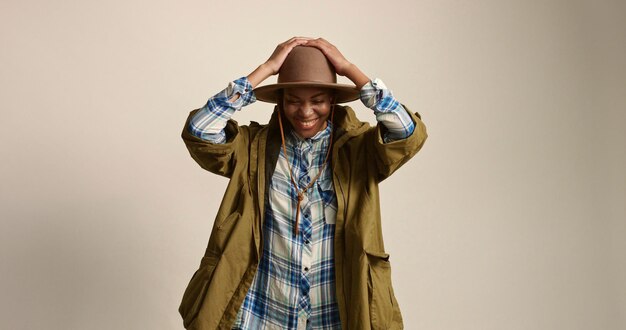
x=211 y=138
x=275 y=61
x=374 y=94
x=400 y=134
x=209 y=122
x=343 y=67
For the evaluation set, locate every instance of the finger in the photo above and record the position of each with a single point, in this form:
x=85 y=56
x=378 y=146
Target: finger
x=324 y=42
x=289 y=41
x=288 y=45
x=321 y=46
x=321 y=42
x=296 y=42
x=314 y=43
x=299 y=40
x=295 y=39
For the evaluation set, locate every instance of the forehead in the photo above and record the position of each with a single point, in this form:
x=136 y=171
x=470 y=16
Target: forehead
x=306 y=92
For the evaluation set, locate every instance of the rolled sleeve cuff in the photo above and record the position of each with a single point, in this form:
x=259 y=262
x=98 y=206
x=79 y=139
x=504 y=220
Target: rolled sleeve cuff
x=376 y=96
x=239 y=86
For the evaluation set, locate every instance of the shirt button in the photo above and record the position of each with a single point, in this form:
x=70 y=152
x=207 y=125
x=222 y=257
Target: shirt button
x=307 y=242
x=306 y=269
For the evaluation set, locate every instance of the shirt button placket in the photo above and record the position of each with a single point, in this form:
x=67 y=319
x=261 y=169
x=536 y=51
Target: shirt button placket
x=306 y=239
x=305 y=284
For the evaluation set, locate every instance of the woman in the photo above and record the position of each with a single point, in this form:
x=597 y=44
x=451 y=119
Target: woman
x=297 y=240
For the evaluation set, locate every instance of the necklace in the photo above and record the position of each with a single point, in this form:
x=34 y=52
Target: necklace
x=293 y=182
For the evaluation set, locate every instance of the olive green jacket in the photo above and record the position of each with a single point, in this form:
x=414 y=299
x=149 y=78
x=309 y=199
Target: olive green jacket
x=360 y=160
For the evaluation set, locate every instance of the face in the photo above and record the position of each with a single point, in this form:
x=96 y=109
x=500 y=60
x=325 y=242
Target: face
x=307 y=109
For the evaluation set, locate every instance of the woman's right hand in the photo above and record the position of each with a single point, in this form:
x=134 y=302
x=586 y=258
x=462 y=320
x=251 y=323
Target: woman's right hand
x=273 y=64
x=280 y=53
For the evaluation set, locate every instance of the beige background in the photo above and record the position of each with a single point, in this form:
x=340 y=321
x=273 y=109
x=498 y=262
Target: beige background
x=511 y=217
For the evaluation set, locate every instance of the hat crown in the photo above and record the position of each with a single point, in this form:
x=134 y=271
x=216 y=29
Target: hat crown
x=306 y=67
x=306 y=64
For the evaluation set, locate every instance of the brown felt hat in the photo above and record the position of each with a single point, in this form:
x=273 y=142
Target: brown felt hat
x=307 y=67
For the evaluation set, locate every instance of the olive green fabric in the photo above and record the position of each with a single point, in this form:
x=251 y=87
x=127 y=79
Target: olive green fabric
x=360 y=160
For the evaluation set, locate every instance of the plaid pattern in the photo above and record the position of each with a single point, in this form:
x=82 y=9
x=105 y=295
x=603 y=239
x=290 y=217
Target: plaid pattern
x=376 y=96
x=209 y=122
x=294 y=286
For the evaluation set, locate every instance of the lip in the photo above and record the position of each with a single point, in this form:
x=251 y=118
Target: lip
x=308 y=123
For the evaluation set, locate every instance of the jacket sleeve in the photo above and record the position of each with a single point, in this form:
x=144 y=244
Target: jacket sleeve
x=391 y=155
x=218 y=158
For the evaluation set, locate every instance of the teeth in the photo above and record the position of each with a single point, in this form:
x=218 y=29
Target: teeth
x=308 y=122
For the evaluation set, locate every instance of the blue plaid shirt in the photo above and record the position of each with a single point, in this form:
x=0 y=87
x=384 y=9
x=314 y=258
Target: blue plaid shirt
x=294 y=286
x=209 y=122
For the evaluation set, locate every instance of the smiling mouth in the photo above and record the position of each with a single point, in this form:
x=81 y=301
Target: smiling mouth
x=308 y=123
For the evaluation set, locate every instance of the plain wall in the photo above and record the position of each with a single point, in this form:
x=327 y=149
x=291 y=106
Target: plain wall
x=511 y=217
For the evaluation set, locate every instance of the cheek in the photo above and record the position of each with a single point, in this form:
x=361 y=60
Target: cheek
x=290 y=114
x=324 y=111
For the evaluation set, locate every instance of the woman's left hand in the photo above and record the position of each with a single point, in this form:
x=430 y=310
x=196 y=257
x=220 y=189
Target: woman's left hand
x=342 y=66
x=333 y=54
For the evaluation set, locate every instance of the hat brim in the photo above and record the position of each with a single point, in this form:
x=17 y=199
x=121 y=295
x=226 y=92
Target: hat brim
x=343 y=93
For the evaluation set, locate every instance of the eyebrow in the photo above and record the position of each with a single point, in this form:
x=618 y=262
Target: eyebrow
x=314 y=96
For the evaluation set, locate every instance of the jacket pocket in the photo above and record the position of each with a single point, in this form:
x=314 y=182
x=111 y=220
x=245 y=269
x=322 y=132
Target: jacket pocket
x=196 y=290
x=379 y=287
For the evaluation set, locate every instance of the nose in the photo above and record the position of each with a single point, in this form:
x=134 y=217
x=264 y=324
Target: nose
x=306 y=108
